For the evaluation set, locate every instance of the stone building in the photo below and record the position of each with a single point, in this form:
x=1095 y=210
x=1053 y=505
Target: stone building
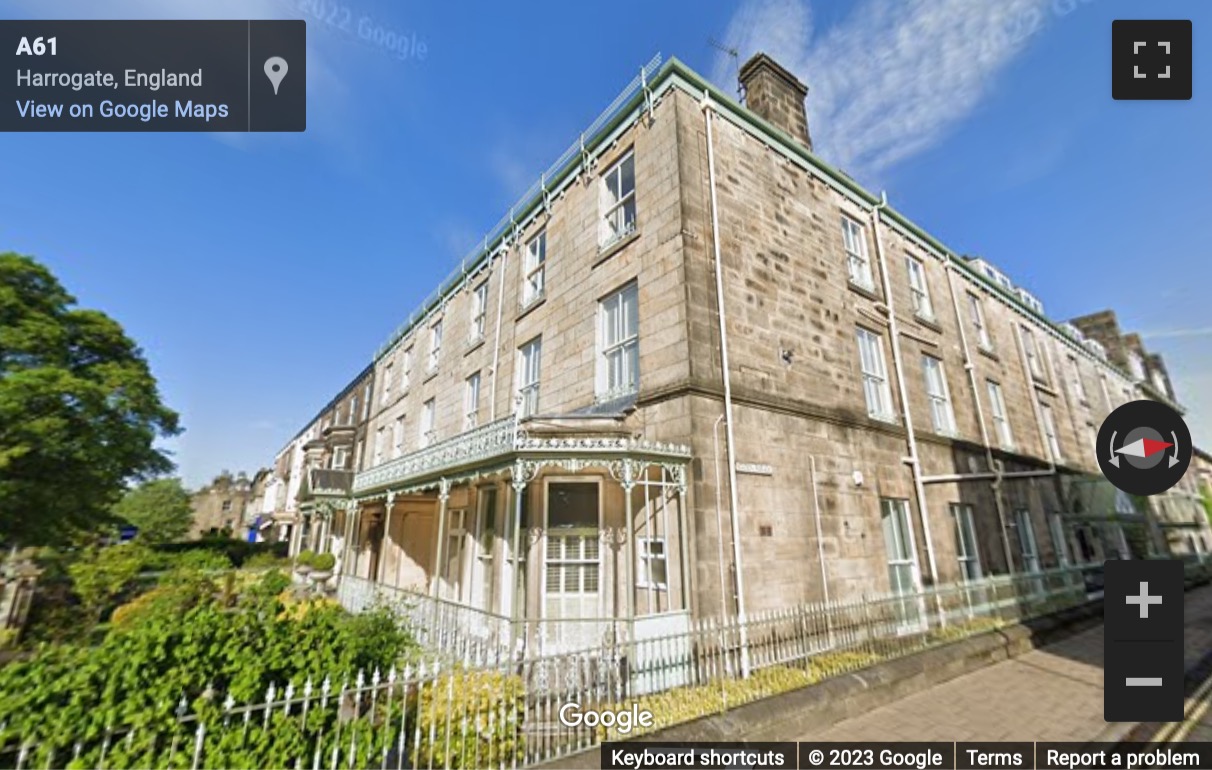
x=699 y=371
x=327 y=451
x=219 y=507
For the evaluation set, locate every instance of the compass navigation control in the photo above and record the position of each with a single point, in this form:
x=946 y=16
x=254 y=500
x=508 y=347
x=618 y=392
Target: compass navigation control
x=1144 y=447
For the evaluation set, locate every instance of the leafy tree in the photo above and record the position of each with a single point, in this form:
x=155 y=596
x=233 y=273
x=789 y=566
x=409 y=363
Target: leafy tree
x=79 y=410
x=160 y=508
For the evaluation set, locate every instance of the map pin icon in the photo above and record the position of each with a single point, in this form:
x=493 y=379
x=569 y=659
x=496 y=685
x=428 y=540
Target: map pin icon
x=275 y=70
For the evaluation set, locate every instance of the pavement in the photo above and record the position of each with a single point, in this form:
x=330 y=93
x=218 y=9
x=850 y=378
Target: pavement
x=1054 y=693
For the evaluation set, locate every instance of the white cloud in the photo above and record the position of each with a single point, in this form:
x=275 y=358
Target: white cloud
x=1198 y=331
x=894 y=76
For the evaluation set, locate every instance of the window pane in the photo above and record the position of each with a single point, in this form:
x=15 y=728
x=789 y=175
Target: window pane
x=627 y=176
x=572 y=504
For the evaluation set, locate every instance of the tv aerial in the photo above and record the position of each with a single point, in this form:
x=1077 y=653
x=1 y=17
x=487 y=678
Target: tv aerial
x=732 y=52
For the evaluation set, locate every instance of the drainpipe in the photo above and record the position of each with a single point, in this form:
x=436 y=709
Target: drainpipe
x=1039 y=412
x=719 y=519
x=708 y=111
x=970 y=368
x=820 y=541
x=915 y=466
x=496 y=345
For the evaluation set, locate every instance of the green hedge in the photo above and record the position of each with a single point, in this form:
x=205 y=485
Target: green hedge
x=236 y=551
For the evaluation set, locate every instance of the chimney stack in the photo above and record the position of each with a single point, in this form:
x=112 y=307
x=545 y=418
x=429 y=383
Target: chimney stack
x=776 y=96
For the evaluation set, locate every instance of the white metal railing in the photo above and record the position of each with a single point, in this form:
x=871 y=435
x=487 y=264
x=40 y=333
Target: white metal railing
x=486 y=441
x=499 y=439
x=445 y=627
x=486 y=707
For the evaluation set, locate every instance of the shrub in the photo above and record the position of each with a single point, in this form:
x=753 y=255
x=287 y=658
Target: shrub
x=485 y=710
x=829 y=664
x=963 y=629
x=160 y=652
x=323 y=562
x=199 y=560
x=683 y=704
x=140 y=607
x=305 y=558
x=270 y=583
x=103 y=575
x=238 y=552
x=265 y=560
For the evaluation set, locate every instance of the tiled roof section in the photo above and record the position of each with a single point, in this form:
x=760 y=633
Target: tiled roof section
x=613 y=408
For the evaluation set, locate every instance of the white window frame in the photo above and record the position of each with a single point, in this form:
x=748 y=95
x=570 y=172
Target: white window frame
x=1035 y=358
x=585 y=536
x=1136 y=365
x=858 y=261
x=876 y=389
x=378 y=456
x=454 y=578
x=397 y=437
x=366 y=402
x=618 y=371
x=967 y=548
x=428 y=431
x=1028 y=546
x=646 y=558
x=479 y=312
x=899 y=545
x=1001 y=419
x=534 y=269
x=619 y=213
x=976 y=313
x=1079 y=385
x=530 y=373
x=406 y=370
x=942 y=413
x=1048 y=417
x=486 y=536
x=339 y=456
x=1159 y=382
x=385 y=395
x=471 y=401
x=919 y=288
x=435 y=344
x=1060 y=542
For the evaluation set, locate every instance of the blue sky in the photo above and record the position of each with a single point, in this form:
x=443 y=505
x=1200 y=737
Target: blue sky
x=260 y=272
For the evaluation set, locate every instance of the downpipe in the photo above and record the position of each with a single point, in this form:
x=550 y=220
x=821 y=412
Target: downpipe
x=914 y=461
x=496 y=345
x=998 y=474
x=719 y=518
x=730 y=447
x=1052 y=471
